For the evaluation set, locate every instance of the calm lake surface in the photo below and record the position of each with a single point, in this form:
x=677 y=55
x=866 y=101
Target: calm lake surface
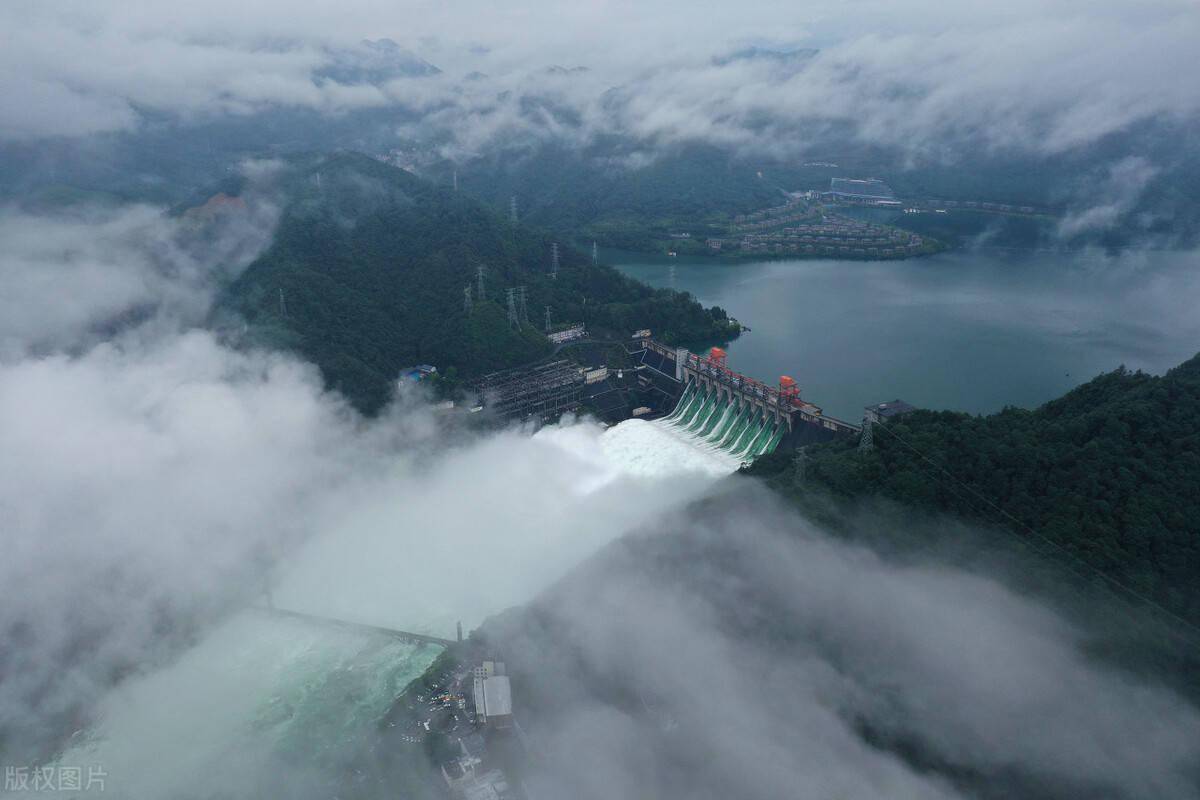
x=967 y=330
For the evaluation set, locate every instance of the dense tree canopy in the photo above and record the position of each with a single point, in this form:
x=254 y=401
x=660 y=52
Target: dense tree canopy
x=1110 y=472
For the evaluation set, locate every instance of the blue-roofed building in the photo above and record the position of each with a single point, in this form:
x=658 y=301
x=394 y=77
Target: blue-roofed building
x=418 y=373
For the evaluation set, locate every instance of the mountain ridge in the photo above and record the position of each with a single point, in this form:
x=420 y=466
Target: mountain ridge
x=368 y=272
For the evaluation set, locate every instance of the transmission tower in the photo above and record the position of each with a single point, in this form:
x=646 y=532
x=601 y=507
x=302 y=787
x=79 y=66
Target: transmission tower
x=547 y=319
x=455 y=180
x=479 y=278
x=868 y=436
x=595 y=254
x=800 y=466
x=554 y=260
x=282 y=304
x=512 y=209
x=511 y=296
x=467 y=299
x=522 y=308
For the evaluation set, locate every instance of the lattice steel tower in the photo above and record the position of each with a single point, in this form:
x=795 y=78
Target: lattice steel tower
x=511 y=296
x=522 y=308
x=547 y=319
x=554 y=260
x=868 y=435
x=467 y=299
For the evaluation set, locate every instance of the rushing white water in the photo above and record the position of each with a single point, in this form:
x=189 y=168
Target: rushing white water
x=658 y=448
x=475 y=532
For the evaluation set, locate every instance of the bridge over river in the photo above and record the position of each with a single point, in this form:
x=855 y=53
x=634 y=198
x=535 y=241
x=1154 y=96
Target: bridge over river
x=404 y=636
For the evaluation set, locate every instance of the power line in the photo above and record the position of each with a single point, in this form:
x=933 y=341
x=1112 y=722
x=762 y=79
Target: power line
x=1056 y=546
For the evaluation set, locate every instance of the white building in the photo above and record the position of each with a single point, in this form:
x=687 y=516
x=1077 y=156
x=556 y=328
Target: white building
x=493 y=701
x=570 y=334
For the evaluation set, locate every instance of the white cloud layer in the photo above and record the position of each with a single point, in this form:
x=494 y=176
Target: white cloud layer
x=152 y=475
x=63 y=277
x=770 y=647
x=1045 y=77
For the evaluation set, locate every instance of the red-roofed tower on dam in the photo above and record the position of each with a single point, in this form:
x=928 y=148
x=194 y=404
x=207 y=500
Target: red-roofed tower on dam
x=789 y=391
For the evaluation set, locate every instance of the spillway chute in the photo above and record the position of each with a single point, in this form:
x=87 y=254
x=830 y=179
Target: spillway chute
x=724 y=423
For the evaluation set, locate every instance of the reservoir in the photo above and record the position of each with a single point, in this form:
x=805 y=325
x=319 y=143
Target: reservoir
x=965 y=330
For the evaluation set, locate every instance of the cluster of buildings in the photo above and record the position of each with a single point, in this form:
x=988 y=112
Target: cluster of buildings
x=834 y=236
x=470 y=775
x=799 y=228
x=794 y=210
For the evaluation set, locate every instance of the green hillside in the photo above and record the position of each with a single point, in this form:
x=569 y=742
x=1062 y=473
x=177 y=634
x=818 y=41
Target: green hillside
x=606 y=192
x=372 y=262
x=1110 y=472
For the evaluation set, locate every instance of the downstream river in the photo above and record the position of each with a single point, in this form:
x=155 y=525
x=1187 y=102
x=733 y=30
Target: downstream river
x=967 y=330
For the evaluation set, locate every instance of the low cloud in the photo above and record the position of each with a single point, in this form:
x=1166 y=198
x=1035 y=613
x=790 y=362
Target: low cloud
x=75 y=277
x=916 y=76
x=745 y=653
x=154 y=477
x=156 y=481
x=150 y=487
x=1112 y=196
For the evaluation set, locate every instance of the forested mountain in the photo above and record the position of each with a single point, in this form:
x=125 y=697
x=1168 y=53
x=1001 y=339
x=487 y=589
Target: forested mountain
x=629 y=193
x=1110 y=472
x=367 y=273
x=617 y=193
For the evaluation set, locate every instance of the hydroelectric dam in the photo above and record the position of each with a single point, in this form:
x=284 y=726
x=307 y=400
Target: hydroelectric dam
x=695 y=398
x=728 y=412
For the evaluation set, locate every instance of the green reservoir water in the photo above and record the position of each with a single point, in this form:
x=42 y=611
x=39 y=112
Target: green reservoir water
x=967 y=330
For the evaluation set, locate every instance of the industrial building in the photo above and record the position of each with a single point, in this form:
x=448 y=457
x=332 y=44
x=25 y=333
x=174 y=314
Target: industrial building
x=541 y=392
x=881 y=412
x=577 y=331
x=493 y=701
